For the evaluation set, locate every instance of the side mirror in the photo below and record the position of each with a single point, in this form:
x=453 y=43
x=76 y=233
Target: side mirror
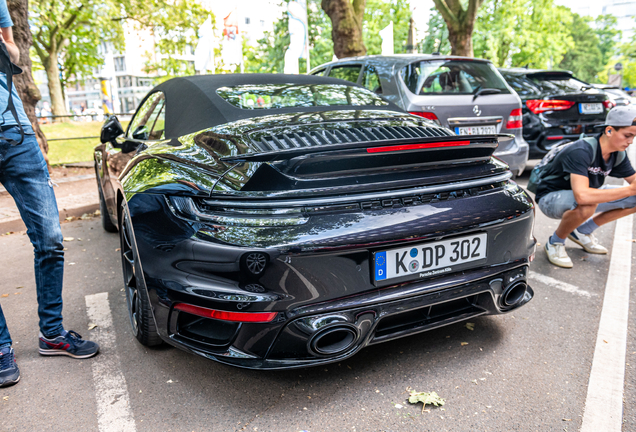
x=111 y=130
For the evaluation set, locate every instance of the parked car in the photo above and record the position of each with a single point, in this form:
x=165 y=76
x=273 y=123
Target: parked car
x=556 y=107
x=464 y=94
x=278 y=221
x=616 y=94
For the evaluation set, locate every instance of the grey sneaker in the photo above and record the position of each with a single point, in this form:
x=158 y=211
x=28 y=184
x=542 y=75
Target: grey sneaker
x=9 y=372
x=557 y=255
x=587 y=242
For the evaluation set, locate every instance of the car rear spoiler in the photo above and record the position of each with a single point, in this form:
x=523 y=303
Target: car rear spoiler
x=486 y=142
x=551 y=75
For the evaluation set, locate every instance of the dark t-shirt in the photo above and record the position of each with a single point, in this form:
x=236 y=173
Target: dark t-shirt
x=577 y=159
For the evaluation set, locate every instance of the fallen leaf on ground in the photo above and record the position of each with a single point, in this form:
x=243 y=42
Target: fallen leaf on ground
x=85 y=216
x=19 y=287
x=567 y=419
x=464 y=343
x=69 y=239
x=5 y=397
x=169 y=382
x=470 y=326
x=426 y=398
x=474 y=381
x=91 y=326
x=97 y=213
x=117 y=250
x=70 y=218
x=605 y=341
x=5 y=295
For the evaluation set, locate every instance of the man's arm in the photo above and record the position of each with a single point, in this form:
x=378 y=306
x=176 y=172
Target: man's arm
x=585 y=195
x=6 y=36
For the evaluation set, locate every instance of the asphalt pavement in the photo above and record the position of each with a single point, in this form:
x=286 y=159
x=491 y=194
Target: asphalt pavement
x=524 y=371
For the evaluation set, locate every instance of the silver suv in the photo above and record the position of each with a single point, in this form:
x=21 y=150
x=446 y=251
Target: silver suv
x=466 y=95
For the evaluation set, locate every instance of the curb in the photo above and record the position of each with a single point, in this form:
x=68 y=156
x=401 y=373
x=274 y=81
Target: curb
x=15 y=225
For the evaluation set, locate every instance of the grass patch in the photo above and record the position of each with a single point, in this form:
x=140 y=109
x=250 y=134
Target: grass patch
x=73 y=150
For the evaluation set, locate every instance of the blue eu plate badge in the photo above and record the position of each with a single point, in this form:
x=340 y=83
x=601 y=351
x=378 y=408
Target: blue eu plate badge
x=380 y=266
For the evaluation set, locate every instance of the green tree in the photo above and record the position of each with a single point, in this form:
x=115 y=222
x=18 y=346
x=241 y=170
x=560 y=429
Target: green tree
x=66 y=36
x=436 y=39
x=585 y=58
x=533 y=33
x=377 y=15
x=608 y=35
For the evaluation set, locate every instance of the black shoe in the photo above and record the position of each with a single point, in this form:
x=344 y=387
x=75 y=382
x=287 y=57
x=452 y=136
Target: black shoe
x=69 y=343
x=9 y=372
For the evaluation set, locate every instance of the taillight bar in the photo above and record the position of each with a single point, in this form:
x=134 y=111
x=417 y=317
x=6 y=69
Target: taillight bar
x=427 y=115
x=226 y=316
x=417 y=146
x=542 y=105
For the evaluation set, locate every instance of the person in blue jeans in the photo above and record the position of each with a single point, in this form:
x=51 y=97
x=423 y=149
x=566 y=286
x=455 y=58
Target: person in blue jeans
x=24 y=174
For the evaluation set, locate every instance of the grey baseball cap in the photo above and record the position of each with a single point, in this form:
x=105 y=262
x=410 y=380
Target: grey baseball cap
x=621 y=116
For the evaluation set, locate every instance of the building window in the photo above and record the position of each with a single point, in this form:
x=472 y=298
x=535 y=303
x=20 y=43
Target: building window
x=247 y=20
x=262 y=23
x=120 y=63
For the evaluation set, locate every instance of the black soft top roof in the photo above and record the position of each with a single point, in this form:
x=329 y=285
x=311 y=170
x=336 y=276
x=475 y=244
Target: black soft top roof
x=192 y=103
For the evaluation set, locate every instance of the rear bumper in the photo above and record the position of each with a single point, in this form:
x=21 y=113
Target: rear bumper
x=348 y=330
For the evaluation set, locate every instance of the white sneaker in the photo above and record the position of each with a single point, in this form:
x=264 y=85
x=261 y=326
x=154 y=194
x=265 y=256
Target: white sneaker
x=587 y=242
x=557 y=255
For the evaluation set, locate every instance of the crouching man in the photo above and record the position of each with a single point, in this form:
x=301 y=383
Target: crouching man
x=571 y=188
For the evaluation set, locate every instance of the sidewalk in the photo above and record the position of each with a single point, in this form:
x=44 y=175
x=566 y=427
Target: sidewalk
x=76 y=195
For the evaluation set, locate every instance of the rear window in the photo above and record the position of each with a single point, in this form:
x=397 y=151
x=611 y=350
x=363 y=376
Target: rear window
x=274 y=96
x=528 y=86
x=451 y=77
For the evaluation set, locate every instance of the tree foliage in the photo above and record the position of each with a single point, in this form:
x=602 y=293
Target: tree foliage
x=379 y=14
x=436 y=39
x=66 y=37
x=585 y=58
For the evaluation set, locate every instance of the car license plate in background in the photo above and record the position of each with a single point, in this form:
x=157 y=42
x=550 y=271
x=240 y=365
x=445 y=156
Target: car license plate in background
x=590 y=108
x=429 y=259
x=476 y=130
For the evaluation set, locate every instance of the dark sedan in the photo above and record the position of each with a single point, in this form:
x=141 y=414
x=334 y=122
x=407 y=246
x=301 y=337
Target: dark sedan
x=277 y=221
x=556 y=107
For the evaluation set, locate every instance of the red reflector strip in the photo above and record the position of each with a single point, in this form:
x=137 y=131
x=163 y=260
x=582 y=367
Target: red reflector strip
x=227 y=316
x=555 y=137
x=417 y=146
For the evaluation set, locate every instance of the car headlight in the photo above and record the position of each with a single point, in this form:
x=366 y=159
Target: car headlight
x=187 y=208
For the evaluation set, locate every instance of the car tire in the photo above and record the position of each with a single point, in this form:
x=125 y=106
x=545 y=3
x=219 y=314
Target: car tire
x=139 y=307
x=107 y=224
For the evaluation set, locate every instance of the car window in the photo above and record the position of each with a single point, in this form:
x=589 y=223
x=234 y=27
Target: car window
x=276 y=96
x=522 y=85
x=371 y=80
x=320 y=72
x=158 y=129
x=349 y=73
x=451 y=77
x=145 y=119
x=560 y=86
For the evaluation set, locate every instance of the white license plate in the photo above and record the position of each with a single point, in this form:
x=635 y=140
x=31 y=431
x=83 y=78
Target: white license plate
x=591 y=108
x=476 y=130
x=429 y=259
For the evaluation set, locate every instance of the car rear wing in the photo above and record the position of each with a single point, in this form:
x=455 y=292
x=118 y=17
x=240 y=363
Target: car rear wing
x=457 y=147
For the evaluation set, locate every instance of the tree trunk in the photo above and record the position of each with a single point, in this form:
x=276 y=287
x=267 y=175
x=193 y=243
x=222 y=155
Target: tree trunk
x=58 y=107
x=346 y=26
x=28 y=91
x=460 y=23
x=461 y=42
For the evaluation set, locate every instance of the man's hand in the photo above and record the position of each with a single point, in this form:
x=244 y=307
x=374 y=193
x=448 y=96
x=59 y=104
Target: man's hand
x=6 y=36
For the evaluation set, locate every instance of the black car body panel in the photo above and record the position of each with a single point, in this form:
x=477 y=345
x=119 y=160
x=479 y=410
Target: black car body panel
x=287 y=215
x=542 y=130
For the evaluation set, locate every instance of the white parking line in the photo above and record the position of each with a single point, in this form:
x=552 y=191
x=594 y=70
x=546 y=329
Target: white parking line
x=563 y=286
x=604 y=403
x=113 y=403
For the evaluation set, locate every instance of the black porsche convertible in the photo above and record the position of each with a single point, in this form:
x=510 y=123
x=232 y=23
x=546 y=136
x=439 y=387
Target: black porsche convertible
x=277 y=221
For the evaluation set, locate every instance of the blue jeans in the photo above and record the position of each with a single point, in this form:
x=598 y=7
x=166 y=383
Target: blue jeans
x=555 y=204
x=24 y=174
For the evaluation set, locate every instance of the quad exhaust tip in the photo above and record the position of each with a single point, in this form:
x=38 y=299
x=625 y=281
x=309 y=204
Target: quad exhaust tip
x=514 y=294
x=334 y=340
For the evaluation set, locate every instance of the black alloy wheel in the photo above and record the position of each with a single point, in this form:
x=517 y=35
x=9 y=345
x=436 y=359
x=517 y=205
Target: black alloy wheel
x=139 y=309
